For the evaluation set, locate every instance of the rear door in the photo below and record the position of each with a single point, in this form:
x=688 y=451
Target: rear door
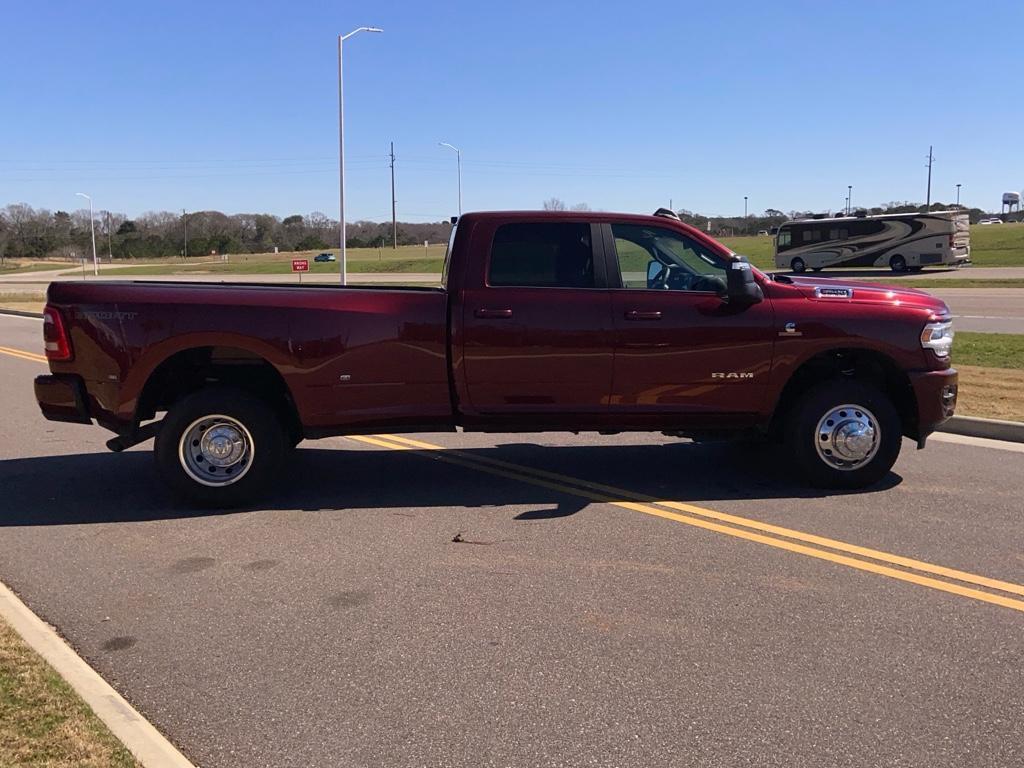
x=537 y=334
x=679 y=347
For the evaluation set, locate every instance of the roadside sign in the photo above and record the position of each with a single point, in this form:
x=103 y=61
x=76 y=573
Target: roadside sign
x=300 y=265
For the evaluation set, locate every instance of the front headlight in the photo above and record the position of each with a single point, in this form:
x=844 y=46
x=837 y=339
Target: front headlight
x=938 y=337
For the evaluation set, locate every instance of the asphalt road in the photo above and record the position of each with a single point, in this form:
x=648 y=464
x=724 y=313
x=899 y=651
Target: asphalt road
x=575 y=624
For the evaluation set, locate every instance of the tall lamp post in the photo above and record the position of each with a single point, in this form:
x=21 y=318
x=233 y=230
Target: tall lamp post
x=744 y=206
x=849 y=198
x=957 y=195
x=458 y=159
x=341 y=143
x=92 y=230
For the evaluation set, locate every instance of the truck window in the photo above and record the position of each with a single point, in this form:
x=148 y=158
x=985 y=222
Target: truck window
x=655 y=258
x=542 y=255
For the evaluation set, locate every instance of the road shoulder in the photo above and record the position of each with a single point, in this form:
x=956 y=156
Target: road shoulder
x=136 y=733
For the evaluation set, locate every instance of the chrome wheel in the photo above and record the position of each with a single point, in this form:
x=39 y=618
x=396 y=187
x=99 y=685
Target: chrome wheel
x=216 y=450
x=847 y=437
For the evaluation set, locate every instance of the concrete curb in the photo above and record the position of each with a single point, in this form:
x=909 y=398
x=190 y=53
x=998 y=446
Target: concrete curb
x=993 y=429
x=20 y=313
x=144 y=741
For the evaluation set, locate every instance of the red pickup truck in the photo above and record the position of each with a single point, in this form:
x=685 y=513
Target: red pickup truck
x=547 y=321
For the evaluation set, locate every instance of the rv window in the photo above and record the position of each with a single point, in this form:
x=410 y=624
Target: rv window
x=783 y=242
x=812 y=235
x=838 y=234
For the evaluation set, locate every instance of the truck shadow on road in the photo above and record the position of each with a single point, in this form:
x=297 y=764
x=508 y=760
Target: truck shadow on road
x=111 y=488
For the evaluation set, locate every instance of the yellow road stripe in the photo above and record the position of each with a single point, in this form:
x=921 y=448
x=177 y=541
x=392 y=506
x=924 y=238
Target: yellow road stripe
x=23 y=354
x=809 y=538
x=863 y=565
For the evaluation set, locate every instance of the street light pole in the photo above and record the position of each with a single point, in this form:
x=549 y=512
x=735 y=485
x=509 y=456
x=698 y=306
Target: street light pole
x=92 y=229
x=458 y=159
x=849 y=198
x=341 y=144
x=744 y=206
x=957 y=195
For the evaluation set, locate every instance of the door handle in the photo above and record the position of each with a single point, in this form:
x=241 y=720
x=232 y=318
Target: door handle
x=635 y=314
x=493 y=314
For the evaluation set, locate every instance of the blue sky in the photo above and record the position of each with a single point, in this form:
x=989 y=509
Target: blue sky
x=624 y=106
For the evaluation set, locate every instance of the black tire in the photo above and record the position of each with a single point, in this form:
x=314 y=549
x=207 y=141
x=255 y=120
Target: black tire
x=264 y=440
x=798 y=265
x=867 y=403
x=898 y=264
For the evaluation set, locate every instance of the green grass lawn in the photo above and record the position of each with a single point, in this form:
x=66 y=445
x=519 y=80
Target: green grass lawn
x=990 y=350
x=14 y=268
x=954 y=282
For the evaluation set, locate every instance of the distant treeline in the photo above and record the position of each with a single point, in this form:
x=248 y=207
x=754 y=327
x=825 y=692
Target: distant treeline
x=27 y=232
x=36 y=232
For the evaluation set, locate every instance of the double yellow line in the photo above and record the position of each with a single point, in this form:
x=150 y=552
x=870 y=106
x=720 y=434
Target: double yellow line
x=923 y=574
x=32 y=356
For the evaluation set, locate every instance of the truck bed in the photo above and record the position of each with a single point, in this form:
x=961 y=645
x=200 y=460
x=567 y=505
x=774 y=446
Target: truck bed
x=348 y=355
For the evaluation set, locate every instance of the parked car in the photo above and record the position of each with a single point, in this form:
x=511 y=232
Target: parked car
x=992 y=220
x=564 y=321
x=325 y=257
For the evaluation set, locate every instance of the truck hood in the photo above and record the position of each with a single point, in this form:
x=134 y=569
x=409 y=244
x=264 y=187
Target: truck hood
x=832 y=290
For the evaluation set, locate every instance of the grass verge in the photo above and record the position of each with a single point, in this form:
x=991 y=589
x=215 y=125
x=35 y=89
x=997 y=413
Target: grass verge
x=43 y=722
x=24 y=302
x=953 y=282
x=990 y=350
x=991 y=367
x=15 y=268
x=991 y=393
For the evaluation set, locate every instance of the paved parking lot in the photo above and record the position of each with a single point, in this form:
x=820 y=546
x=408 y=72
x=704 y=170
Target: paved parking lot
x=611 y=601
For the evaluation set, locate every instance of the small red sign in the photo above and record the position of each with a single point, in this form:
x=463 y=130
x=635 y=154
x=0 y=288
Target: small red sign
x=300 y=265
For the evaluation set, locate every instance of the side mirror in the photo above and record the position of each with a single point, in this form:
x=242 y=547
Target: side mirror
x=654 y=269
x=741 y=288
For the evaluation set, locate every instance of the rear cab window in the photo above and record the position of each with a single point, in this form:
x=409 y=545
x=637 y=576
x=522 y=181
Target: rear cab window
x=542 y=255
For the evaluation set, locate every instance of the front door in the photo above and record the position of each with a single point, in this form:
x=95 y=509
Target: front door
x=538 y=333
x=679 y=346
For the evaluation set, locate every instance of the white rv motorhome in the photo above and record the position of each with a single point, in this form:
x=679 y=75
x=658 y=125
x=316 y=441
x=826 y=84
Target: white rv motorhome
x=900 y=241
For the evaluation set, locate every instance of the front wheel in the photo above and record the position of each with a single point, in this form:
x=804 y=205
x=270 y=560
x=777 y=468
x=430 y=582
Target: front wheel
x=844 y=434
x=898 y=264
x=220 y=447
x=798 y=265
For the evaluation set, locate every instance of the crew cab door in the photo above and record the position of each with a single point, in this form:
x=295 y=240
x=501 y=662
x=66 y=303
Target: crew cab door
x=536 y=320
x=680 y=348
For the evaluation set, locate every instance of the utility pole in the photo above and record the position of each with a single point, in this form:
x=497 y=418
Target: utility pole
x=849 y=199
x=184 y=219
x=394 y=221
x=957 y=195
x=928 y=203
